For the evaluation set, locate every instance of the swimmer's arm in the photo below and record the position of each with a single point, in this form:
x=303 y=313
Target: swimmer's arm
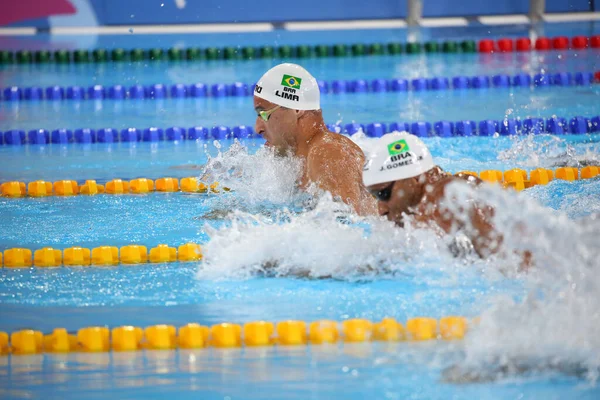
x=339 y=173
x=488 y=240
x=485 y=239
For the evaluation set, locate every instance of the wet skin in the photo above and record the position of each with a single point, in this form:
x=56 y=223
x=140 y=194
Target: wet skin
x=419 y=199
x=331 y=161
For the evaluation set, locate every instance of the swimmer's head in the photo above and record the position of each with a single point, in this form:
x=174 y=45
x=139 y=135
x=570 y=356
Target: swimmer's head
x=283 y=96
x=290 y=86
x=396 y=171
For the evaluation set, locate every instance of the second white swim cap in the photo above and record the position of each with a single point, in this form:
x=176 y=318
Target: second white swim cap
x=396 y=156
x=290 y=86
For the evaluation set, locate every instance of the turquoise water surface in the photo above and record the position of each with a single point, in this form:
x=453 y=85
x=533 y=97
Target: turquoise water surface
x=427 y=280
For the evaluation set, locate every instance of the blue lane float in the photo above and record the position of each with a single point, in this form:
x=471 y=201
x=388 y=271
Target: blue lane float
x=175 y=134
x=108 y=135
x=153 y=135
x=137 y=92
x=33 y=93
x=85 y=136
x=116 y=92
x=399 y=85
x=480 y=82
x=220 y=132
x=501 y=81
x=38 y=136
x=421 y=129
x=130 y=135
x=439 y=84
x=12 y=93
x=466 y=128
x=461 y=82
x=533 y=125
x=444 y=129
x=197 y=133
x=61 y=136
x=584 y=78
x=238 y=89
x=376 y=129
x=510 y=127
x=540 y=80
x=380 y=85
x=75 y=93
x=420 y=84
x=95 y=92
x=399 y=126
x=557 y=125
x=506 y=127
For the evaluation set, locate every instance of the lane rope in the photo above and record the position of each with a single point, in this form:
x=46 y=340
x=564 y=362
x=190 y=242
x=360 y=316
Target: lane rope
x=41 y=188
x=65 y=187
x=99 y=339
x=160 y=91
x=101 y=256
x=504 y=45
x=490 y=127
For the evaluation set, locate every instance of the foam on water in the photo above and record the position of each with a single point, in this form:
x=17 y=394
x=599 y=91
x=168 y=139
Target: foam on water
x=556 y=326
x=321 y=242
x=550 y=151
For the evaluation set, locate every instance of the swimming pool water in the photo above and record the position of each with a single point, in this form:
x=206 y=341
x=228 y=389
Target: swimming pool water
x=431 y=284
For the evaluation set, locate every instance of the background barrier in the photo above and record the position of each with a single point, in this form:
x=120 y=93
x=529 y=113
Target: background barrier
x=135 y=12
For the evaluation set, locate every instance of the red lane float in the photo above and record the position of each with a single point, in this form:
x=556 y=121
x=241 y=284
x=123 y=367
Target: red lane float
x=560 y=43
x=486 y=46
x=505 y=45
x=523 y=44
x=597 y=76
x=542 y=43
x=579 y=42
x=595 y=42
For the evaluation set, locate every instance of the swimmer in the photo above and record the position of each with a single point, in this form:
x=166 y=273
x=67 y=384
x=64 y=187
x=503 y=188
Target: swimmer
x=289 y=117
x=401 y=175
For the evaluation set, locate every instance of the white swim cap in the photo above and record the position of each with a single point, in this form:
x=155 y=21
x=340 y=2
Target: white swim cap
x=396 y=156
x=291 y=86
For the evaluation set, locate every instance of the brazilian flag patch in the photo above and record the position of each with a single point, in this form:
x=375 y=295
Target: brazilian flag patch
x=291 y=81
x=398 y=147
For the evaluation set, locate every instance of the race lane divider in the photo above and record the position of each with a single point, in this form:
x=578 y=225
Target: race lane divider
x=116 y=186
x=506 y=127
x=99 y=256
x=97 y=339
x=336 y=87
x=522 y=44
x=517 y=178
x=192 y=185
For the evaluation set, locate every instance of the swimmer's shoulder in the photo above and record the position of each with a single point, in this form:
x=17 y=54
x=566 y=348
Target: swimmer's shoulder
x=334 y=145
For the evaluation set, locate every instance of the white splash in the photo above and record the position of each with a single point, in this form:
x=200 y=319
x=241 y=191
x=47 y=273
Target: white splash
x=323 y=242
x=256 y=178
x=549 y=151
x=557 y=326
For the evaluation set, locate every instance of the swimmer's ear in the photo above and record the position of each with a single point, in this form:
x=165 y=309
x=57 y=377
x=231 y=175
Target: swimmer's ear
x=300 y=113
